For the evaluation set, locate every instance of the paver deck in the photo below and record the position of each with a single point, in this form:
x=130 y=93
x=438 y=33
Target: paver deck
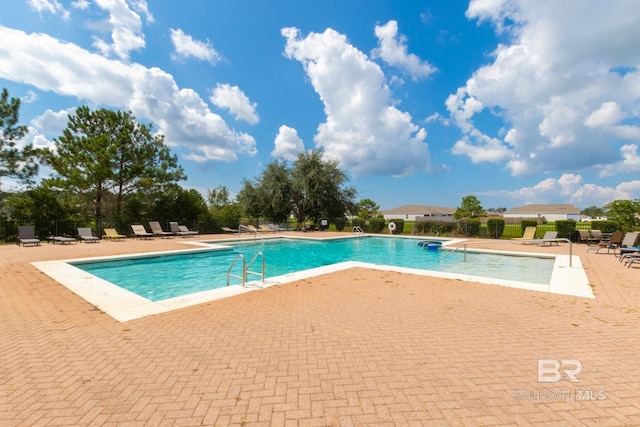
x=356 y=347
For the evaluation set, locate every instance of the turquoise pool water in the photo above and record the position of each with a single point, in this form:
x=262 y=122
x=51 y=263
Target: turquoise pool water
x=167 y=276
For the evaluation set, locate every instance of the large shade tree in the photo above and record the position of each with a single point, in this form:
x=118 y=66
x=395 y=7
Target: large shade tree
x=311 y=188
x=470 y=207
x=15 y=162
x=105 y=152
x=624 y=212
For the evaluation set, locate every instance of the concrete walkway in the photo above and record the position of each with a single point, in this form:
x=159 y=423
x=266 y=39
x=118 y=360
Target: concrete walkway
x=356 y=347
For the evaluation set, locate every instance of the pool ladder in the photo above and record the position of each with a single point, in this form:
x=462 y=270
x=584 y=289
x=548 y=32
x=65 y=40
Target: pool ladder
x=245 y=268
x=358 y=230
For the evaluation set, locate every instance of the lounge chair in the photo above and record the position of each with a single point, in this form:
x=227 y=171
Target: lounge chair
x=583 y=236
x=631 y=259
x=174 y=227
x=266 y=228
x=140 y=231
x=595 y=236
x=529 y=234
x=27 y=235
x=184 y=229
x=157 y=230
x=112 y=234
x=548 y=238
x=86 y=235
x=229 y=230
x=61 y=239
x=628 y=244
x=612 y=242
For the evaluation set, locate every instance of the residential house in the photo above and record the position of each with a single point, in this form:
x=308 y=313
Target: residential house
x=542 y=213
x=418 y=212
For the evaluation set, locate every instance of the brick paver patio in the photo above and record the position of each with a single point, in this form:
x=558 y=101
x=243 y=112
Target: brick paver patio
x=357 y=347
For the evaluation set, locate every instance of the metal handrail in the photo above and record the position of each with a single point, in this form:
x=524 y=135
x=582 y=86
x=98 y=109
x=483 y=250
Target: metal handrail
x=357 y=229
x=257 y=254
x=255 y=232
x=244 y=270
x=464 y=246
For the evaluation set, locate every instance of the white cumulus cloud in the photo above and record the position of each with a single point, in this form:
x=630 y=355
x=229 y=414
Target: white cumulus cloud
x=150 y=93
x=363 y=130
x=287 y=144
x=566 y=80
x=125 y=25
x=392 y=49
x=186 y=47
x=233 y=99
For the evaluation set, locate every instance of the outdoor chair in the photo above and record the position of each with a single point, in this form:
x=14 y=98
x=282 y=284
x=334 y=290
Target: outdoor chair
x=174 y=227
x=184 y=229
x=86 y=235
x=157 y=230
x=529 y=234
x=140 y=231
x=548 y=238
x=628 y=244
x=27 y=235
x=112 y=234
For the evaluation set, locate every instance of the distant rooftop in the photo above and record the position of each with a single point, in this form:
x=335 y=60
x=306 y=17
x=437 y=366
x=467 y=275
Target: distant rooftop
x=419 y=210
x=541 y=208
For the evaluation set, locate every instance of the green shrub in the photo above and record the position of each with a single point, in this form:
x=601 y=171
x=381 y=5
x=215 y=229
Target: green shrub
x=399 y=225
x=469 y=227
x=607 y=226
x=340 y=223
x=495 y=227
x=566 y=228
x=376 y=225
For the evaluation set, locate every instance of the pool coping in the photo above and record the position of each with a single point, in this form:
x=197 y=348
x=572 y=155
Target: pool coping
x=568 y=278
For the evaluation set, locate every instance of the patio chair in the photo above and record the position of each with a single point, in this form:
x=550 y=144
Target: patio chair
x=628 y=244
x=86 y=235
x=140 y=231
x=61 y=239
x=157 y=230
x=631 y=259
x=174 y=227
x=184 y=229
x=548 y=238
x=112 y=234
x=229 y=230
x=583 y=236
x=610 y=244
x=27 y=235
x=529 y=234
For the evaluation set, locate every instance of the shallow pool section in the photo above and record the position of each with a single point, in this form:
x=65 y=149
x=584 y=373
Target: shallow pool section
x=128 y=287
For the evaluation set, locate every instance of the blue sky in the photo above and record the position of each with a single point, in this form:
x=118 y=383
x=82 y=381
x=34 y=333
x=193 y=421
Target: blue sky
x=420 y=102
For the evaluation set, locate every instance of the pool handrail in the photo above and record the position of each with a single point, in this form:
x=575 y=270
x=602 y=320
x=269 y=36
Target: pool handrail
x=559 y=239
x=244 y=270
x=247 y=271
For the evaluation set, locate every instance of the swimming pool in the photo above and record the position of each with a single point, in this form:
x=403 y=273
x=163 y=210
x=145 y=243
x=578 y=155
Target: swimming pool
x=173 y=275
x=567 y=277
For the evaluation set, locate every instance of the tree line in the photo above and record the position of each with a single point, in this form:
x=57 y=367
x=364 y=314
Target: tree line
x=108 y=167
